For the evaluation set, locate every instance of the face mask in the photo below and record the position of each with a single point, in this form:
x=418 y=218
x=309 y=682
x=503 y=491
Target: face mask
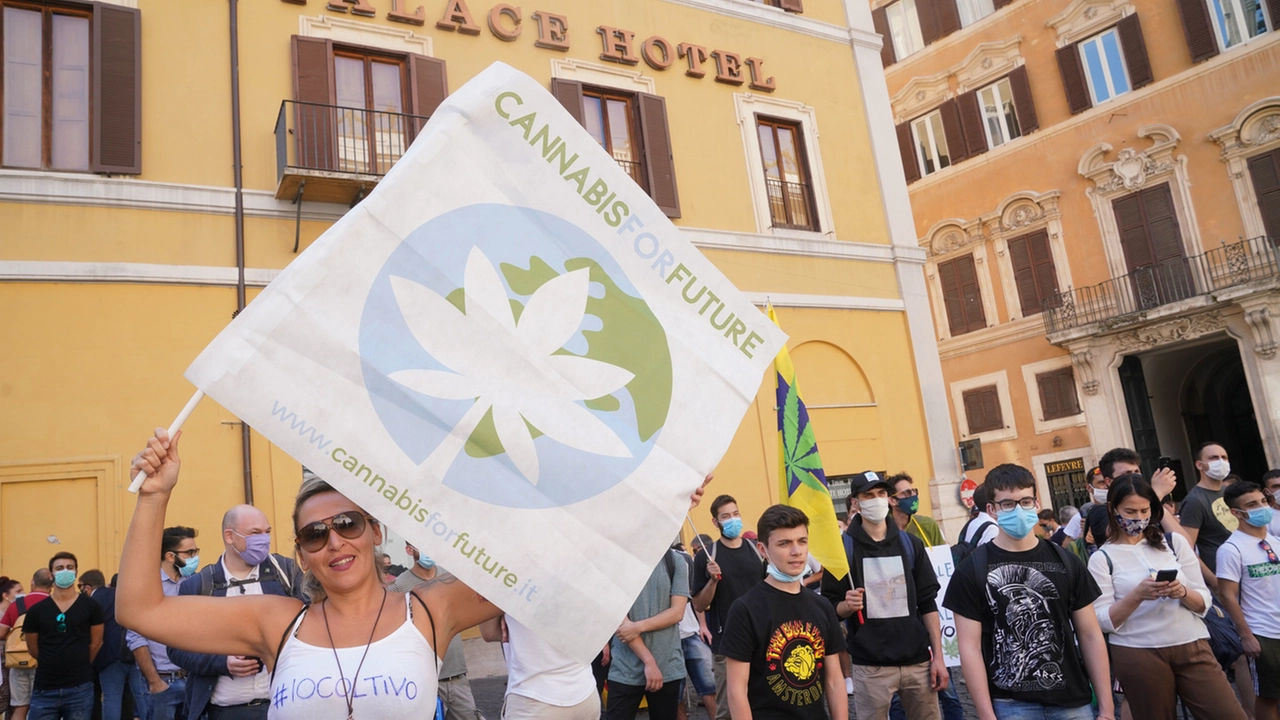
x=782 y=577
x=1218 y=469
x=1259 y=516
x=256 y=548
x=1100 y=496
x=64 y=578
x=425 y=562
x=189 y=569
x=875 y=509
x=909 y=505
x=731 y=528
x=1017 y=522
x=1133 y=526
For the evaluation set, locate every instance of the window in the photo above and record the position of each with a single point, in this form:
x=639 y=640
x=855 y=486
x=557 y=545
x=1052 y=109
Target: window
x=371 y=127
x=1150 y=237
x=904 y=28
x=788 y=5
x=1104 y=66
x=971 y=11
x=999 y=116
x=930 y=143
x=785 y=174
x=1236 y=21
x=1264 y=170
x=1058 y=394
x=46 y=89
x=961 y=295
x=610 y=118
x=982 y=409
x=1033 y=271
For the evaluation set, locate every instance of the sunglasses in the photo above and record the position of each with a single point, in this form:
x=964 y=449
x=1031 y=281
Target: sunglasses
x=62 y=622
x=313 y=536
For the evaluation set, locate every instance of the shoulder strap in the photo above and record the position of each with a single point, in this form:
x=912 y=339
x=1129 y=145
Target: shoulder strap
x=908 y=549
x=979 y=556
x=982 y=530
x=281 y=575
x=1111 y=569
x=435 y=650
x=670 y=562
x=280 y=648
x=206 y=580
x=22 y=605
x=1065 y=558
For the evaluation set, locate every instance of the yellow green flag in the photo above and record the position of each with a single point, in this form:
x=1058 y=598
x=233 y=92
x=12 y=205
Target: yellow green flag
x=803 y=483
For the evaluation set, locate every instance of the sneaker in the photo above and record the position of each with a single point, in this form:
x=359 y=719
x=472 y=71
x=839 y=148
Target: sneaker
x=848 y=686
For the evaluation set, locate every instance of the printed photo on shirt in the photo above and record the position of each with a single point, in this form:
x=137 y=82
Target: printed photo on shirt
x=795 y=654
x=886 y=583
x=1028 y=649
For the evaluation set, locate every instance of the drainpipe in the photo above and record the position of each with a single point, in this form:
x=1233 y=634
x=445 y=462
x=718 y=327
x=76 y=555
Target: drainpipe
x=246 y=459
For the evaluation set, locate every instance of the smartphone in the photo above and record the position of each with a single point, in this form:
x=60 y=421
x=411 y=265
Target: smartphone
x=1166 y=575
x=1165 y=461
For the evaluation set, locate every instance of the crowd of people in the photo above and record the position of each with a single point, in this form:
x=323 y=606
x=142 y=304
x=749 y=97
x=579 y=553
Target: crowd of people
x=1126 y=607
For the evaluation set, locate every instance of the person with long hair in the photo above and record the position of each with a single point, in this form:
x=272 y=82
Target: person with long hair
x=9 y=589
x=1159 y=643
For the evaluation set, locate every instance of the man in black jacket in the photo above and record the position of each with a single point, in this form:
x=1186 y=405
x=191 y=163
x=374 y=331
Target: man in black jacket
x=895 y=636
x=230 y=687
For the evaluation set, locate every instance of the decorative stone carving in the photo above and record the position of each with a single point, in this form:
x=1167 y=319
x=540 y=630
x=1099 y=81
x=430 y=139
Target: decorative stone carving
x=952 y=235
x=1021 y=210
x=986 y=62
x=921 y=93
x=1132 y=169
x=1187 y=328
x=1083 y=363
x=1264 y=332
x=1255 y=129
x=1083 y=18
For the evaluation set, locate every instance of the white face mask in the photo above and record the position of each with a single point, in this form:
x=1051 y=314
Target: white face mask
x=1100 y=496
x=1218 y=469
x=875 y=510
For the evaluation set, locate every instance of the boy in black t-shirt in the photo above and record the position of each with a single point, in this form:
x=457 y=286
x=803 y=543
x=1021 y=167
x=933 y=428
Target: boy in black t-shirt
x=64 y=633
x=1021 y=605
x=781 y=643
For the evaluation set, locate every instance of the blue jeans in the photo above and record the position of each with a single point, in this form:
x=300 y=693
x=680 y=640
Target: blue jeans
x=73 y=703
x=948 y=700
x=141 y=694
x=112 y=679
x=699 y=664
x=1019 y=710
x=168 y=704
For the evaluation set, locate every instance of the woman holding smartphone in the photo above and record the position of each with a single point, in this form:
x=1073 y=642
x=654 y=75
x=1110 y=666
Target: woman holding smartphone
x=1152 y=602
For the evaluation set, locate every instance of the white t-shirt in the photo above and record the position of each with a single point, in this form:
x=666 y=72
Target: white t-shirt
x=538 y=671
x=239 y=690
x=1155 y=623
x=988 y=535
x=1274 y=527
x=1075 y=526
x=1241 y=559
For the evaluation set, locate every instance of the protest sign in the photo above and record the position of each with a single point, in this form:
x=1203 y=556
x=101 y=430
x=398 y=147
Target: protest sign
x=944 y=567
x=509 y=355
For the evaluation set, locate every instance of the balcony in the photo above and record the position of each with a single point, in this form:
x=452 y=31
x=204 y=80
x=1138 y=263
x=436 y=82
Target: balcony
x=789 y=204
x=326 y=153
x=1162 y=289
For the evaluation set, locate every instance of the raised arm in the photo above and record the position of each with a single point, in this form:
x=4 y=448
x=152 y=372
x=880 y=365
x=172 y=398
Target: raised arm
x=454 y=607
x=249 y=625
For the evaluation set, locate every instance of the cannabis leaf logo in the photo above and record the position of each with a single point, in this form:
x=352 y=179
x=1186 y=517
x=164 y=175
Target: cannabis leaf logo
x=510 y=367
x=800 y=458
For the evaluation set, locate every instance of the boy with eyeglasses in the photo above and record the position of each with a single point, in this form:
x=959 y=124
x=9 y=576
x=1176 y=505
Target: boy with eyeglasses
x=1021 y=606
x=64 y=634
x=1249 y=587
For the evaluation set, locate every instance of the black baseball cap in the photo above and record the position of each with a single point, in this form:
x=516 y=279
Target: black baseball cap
x=867 y=480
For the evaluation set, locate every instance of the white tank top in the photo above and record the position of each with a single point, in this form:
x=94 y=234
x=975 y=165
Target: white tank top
x=397 y=680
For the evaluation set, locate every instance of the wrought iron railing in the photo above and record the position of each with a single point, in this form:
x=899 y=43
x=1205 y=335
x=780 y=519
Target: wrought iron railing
x=1150 y=287
x=790 y=204
x=312 y=136
x=633 y=168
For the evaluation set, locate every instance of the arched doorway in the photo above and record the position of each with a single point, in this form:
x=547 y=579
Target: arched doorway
x=1216 y=405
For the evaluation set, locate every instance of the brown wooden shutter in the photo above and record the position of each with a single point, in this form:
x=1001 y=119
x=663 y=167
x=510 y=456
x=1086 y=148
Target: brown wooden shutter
x=1162 y=223
x=1265 y=171
x=954 y=132
x=982 y=409
x=907 y=149
x=1022 y=102
x=1070 y=402
x=1073 y=82
x=927 y=14
x=997 y=4
x=1045 y=272
x=1050 y=402
x=974 y=314
x=1198 y=28
x=1024 y=276
x=659 y=164
x=795 y=6
x=569 y=93
x=1135 y=51
x=949 y=278
x=973 y=410
x=428 y=85
x=117 y=90
x=1133 y=231
x=948 y=16
x=880 y=20
x=975 y=137
x=1273 y=10
x=313 y=83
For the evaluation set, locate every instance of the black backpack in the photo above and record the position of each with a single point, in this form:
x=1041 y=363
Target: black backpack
x=964 y=549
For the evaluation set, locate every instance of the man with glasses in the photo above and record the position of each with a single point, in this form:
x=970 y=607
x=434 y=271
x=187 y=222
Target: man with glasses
x=1249 y=586
x=1016 y=602
x=160 y=685
x=64 y=634
x=233 y=687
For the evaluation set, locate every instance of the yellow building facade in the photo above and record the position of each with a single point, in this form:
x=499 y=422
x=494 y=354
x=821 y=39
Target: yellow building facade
x=125 y=244
x=1095 y=185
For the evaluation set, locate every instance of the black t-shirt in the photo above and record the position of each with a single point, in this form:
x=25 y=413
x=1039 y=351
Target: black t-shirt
x=787 y=638
x=63 y=644
x=1205 y=511
x=1098 y=522
x=1025 y=605
x=741 y=569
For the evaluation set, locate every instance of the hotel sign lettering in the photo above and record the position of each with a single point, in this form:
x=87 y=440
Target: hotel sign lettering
x=618 y=45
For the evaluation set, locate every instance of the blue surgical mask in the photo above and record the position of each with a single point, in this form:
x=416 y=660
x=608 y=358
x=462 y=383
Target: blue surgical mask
x=1259 y=516
x=731 y=528
x=64 y=578
x=425 y=562
x=189 y=569
x=1018 y=522
x=782 y=577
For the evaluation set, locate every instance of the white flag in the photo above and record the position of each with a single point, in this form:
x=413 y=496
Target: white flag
x=509 y=355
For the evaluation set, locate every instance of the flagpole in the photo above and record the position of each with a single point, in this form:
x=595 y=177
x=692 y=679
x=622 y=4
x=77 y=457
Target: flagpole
x=173 y=430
